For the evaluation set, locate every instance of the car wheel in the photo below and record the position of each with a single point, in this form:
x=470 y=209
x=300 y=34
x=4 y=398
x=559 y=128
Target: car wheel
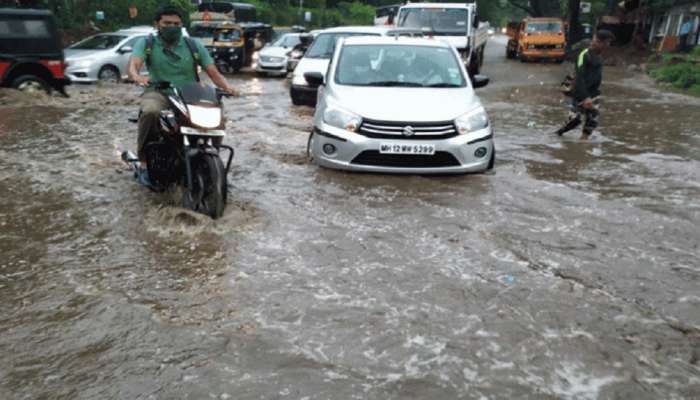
x=31 y=84
x=109 y=74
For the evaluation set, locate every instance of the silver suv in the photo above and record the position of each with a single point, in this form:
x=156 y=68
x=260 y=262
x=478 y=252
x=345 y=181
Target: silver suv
x=399 y=105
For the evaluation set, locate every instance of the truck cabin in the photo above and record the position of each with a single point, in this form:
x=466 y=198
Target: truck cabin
x=542 y=26
x=438 y=21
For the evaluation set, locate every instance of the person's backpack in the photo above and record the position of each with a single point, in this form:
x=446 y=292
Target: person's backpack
x=191 y=45
x=568 y=85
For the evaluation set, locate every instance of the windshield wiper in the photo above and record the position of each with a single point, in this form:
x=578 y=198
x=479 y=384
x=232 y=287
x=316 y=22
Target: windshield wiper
x=394 y=83
x=443 y=85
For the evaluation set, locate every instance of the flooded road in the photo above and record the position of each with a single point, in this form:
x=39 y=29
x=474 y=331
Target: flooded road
x=570 y=272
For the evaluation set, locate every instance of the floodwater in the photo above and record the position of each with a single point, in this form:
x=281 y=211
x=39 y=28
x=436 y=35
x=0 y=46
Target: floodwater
x=569 y=272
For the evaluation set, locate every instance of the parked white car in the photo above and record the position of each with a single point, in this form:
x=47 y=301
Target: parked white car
x=104 y=56
x=321 y=50
x=402 y=105
x=273 y=59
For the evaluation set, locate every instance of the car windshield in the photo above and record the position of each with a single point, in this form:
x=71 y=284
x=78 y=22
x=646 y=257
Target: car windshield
x=399 y=66
x=98 y=42
x=324 y=45
x=228 y=36
x=287 y=41
x=544 y=27
x=202 y=32
x=436 y=20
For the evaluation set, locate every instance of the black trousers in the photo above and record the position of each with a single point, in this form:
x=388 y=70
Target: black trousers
x=577 y=114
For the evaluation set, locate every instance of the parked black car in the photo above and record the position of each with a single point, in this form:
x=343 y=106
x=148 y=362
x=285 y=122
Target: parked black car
x=31 y=51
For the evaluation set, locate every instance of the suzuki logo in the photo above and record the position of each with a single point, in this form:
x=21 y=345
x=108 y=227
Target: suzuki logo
x=408 y=131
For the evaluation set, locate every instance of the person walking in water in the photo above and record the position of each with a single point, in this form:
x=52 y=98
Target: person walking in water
x=586 y=87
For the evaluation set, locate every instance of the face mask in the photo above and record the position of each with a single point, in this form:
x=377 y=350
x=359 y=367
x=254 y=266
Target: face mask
x=171 y=34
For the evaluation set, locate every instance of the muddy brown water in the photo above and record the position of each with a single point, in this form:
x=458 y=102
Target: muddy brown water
x=570 y=272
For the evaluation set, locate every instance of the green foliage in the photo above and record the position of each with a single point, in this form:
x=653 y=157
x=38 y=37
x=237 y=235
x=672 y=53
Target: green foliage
x=695 y=52
x=684 y=75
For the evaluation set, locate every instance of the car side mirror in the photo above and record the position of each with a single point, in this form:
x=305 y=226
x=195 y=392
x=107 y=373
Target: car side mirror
x=126 y=49
x=314 y=78
x=479 y=81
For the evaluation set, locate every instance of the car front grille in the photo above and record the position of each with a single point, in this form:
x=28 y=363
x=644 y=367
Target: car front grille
x=407 y=130
x=440 y=159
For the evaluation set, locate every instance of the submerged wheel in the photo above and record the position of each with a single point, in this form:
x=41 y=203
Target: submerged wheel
x=208 y=192
x=30 y=84
x=109 y=74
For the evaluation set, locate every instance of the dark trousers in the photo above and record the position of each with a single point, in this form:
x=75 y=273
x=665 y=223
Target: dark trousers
x=152 y=103
x=577 y=114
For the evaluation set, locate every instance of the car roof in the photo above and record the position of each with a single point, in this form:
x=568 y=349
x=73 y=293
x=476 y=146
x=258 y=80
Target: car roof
x=397 y=41
x=25 y=11
x=437 y=5
x=379 y=30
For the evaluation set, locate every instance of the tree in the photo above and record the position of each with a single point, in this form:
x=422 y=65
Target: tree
x=538 y=8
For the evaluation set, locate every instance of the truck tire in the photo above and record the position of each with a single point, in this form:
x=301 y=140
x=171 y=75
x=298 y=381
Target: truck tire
x=30 y=84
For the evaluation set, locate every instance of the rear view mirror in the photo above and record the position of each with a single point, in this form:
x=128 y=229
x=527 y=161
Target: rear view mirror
x=314 y=78
x=479 y=81
x=126 y=49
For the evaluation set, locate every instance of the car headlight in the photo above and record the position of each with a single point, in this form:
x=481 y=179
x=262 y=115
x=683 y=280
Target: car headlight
x=472 y=121
x=340 y=118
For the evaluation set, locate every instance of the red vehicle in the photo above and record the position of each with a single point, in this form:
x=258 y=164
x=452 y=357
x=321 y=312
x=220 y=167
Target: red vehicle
x=31 y=51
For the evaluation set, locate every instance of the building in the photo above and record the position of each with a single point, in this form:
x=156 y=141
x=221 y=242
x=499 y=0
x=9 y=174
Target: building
x=667 y=28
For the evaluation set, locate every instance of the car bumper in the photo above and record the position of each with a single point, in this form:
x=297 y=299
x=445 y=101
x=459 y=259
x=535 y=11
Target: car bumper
x=82 y=75
x=272 y=68
x=539 y=53
x=355 y=152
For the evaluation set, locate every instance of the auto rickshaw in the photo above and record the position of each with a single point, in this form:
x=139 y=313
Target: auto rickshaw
x=225 y=43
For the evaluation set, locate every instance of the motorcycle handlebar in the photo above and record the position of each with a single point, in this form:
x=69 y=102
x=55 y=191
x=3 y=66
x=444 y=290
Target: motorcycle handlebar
x=222 y=93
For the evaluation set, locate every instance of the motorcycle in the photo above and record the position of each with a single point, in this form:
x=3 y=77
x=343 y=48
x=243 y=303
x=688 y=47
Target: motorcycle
x=186 y=150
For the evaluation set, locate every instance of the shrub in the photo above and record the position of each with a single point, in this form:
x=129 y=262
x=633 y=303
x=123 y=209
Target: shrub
x=681 y=76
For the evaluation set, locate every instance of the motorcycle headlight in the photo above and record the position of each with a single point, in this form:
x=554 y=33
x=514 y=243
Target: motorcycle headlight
x=340 y=118
x=296 y=54
x=231 y=49
x=472 y=121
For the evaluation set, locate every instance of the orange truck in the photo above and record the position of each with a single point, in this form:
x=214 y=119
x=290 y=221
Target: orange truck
x=536 y=39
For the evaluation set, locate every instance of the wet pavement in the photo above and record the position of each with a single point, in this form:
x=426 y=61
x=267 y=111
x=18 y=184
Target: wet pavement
x=570 y=272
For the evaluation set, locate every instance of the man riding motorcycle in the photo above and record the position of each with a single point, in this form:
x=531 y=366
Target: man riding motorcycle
x=172 y=58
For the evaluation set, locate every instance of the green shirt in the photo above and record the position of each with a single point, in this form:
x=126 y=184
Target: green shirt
x=177 y=70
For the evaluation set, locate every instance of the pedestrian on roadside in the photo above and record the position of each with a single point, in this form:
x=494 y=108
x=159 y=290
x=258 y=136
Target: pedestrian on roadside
x=684 y=33
x=586 y=85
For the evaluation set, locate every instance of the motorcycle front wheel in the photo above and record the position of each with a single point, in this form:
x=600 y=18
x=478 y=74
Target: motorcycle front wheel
x=208 y=192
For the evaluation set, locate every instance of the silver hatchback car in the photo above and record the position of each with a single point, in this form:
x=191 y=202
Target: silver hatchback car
x=399 y=105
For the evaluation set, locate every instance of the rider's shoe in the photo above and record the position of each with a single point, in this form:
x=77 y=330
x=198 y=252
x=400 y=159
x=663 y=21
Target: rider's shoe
x=143 y=178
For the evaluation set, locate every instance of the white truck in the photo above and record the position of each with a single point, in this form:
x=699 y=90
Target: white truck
x=455 y=23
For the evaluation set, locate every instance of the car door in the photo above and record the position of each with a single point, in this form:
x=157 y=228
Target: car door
x=124 y=53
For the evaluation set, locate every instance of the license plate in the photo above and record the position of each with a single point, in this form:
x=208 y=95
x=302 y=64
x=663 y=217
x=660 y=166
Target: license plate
x=407 y=148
